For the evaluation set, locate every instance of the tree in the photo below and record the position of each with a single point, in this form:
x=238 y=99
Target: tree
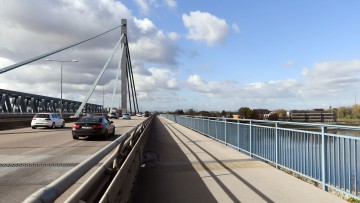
x=204 y=113
x=223 y=113
x=179 y=111
x=355 y=111
x=281 y=112
x=344 y=112
x=245 y=112
x=273 y=116
x=191 y=112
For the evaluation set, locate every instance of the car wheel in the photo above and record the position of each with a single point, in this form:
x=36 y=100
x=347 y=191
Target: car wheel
x=113 y=133
x=63 y=124
x=106 y=135
x=53 y=126
x=33 y=127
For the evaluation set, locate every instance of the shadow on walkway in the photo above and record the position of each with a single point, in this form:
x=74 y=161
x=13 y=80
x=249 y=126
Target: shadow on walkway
x=168 y=175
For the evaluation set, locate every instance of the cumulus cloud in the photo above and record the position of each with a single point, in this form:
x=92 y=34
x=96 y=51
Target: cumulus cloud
x=35 y=27
x=332 y=77
x=331 y=81
x=143 y=6
x=205 y=27
x=159 y=44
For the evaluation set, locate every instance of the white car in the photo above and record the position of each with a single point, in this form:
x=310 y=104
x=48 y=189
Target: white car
x=50 y=120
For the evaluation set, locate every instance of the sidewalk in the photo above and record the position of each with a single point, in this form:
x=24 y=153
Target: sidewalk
x=184 y=166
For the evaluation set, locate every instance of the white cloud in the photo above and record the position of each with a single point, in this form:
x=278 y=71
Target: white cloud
x=171 y=3
x=143 y=6
x=173 y=36
x=324 y=84
x=205 y=27
x=235 y=27
x=144 y=25
x=332 y=77
x=146 y=38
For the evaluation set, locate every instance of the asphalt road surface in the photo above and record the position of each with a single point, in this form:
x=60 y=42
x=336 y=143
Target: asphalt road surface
x=32 y=158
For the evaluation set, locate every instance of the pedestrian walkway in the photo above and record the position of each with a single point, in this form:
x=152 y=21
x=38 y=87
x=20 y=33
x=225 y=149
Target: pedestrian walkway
x=184 y=166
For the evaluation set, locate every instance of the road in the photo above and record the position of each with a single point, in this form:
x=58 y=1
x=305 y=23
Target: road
x=32 y=158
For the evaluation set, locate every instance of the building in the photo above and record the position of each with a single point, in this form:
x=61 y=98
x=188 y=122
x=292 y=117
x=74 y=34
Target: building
x=312 y=116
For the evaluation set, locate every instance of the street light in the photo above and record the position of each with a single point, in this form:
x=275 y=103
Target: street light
x=61 y=62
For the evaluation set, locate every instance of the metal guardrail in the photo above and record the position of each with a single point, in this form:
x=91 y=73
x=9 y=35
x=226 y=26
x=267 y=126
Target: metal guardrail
x=319 y=154
x=128 y=145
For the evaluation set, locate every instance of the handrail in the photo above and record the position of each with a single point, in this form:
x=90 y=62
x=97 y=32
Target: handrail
x=60 y=185
x=320 y=155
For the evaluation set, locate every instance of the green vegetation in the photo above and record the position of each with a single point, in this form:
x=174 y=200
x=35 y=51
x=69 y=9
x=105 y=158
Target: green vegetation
x=348 y=112
x=243 y=112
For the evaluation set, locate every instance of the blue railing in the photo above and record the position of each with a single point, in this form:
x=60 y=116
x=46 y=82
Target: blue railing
x=314 y=151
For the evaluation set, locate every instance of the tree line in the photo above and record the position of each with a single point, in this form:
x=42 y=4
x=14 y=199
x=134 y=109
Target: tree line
x=243 y=112
x=352 y=112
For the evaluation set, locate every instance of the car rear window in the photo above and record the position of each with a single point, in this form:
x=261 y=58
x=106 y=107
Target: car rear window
x=89 y=120
x=42 y=116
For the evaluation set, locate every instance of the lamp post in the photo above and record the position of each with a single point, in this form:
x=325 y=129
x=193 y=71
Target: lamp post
x=61 y=65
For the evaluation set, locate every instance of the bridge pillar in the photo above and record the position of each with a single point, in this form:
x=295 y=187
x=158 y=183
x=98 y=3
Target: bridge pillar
x=123 y=69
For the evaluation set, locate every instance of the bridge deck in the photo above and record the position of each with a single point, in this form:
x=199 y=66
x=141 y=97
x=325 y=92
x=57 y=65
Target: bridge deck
x=184 y=166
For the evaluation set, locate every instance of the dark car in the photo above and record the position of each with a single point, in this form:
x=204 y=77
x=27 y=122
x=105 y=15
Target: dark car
x=147 y=114
x=93 y=126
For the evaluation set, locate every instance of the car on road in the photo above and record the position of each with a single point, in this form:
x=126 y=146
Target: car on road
x=93 y=126
x=139 y=114
x=126 y=116
x=113 y=115
x=147 y=114
x=50 y=120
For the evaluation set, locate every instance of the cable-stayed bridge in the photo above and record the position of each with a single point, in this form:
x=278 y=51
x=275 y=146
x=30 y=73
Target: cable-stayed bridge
x=170 y=158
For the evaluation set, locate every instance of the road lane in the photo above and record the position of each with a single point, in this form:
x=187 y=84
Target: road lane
x=32 y=158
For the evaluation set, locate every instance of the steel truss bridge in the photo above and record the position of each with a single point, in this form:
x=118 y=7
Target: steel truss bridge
x=24 y=103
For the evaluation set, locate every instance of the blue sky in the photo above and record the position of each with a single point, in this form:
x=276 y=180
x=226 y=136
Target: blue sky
x=206 y=55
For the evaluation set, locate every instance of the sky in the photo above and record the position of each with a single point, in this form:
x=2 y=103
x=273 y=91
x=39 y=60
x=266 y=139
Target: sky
x=205 y=54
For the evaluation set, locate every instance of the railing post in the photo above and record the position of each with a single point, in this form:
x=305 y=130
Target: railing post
x=238 y=134
x=276 y=146
x=208 y=132
x=323 y=157
x=225 y=132
x=250 y=130
x=216 y=137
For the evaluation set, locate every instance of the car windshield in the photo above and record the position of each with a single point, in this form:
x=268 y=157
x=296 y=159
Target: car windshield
x=42 y=116
x=89 y=120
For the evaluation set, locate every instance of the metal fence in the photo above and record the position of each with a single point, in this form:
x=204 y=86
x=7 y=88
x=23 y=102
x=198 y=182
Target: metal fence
x=314 y=151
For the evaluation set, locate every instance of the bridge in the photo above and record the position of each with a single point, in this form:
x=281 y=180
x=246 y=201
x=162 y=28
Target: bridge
x=170 y=158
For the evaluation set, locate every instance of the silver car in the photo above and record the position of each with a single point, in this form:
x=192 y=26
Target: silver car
x=50 y=120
